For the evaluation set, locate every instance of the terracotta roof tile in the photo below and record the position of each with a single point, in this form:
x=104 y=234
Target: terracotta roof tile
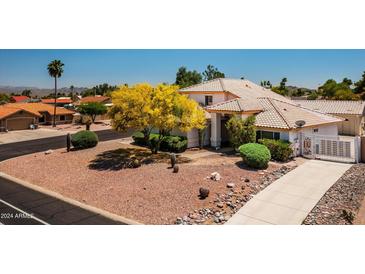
x=89 y=99
x=34 y=108
x=276 y=113
x=334 y=106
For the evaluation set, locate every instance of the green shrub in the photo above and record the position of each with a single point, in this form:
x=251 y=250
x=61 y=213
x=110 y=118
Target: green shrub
x=241 y=131
x=84 y=139
x=255 y=155
x=138 y=138
x=171 y=143
x=280 y=150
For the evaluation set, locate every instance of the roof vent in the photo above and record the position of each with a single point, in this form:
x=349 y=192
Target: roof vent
x=300 y=123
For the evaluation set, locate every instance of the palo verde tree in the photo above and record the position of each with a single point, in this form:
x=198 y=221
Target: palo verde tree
x=92 y=109
x=162 y=108
x=55 y=70
x=132 y=109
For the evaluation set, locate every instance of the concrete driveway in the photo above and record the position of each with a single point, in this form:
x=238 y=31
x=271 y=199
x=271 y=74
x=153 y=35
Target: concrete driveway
x=290 y=198
x=28 y=134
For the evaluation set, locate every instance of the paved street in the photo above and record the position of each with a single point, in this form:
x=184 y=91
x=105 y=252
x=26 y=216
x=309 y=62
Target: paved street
x=17 y=199
x=26 y=147
x=289 y=199
x=18 y=203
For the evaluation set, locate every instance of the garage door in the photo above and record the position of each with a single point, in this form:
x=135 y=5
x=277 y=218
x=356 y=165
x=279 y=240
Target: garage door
x=21 y=123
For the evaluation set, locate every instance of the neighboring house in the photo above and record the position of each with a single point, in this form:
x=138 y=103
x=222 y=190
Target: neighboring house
x=19 y=99
x=277 y=117
x=107 y=101
x=353 y=113
x=60 y=102
x=19 y=116
x=98 y=98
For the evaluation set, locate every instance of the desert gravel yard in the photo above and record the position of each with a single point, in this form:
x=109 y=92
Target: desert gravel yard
x=151 y=193
x=344 y=202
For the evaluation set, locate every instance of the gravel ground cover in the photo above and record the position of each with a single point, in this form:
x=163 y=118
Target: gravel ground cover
x=342 y=201
x=151 y=193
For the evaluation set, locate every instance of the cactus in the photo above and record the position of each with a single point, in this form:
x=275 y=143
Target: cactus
x=173 y=159
x=68 y=141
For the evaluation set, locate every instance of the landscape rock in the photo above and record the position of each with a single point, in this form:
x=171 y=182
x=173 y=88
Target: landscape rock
x=215 y=176
x=48 y=151
x=230 y=185
x=203 y=192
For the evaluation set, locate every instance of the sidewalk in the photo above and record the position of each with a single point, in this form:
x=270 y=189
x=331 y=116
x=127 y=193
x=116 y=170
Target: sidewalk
x=289 y=199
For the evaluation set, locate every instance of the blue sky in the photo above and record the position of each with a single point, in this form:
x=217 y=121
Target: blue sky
x=85 y=68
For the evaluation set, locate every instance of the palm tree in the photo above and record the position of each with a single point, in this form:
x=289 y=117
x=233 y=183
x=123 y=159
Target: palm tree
x=55 y=69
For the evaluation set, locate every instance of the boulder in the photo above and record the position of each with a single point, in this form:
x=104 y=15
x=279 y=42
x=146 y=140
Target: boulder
x=215 y=176
x=203 y=192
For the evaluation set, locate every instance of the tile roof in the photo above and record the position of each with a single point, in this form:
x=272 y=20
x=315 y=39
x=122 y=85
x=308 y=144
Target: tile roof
x=7 y=111
x=334 y=106
x=58 y=100
x=241 y=88
x=89 y=99
x=278 y=114
x=19 y=98
x=34 y=108
x=236 y=105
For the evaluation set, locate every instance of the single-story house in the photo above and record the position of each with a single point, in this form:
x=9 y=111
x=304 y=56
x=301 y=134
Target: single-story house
x=353 y=113
x=18 y=116
x=60 y=102
x=98 y=98
x=107 y=101
x=277 y=117
x=19 y=99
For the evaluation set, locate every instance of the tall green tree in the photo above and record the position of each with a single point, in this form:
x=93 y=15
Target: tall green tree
x=360 y=85
x=266 y=84
x=92 y=109
x=103 y=89
x=283 y=83
x=55 y=70
x=185 y=78
x=27 y=92
x=212 y=72
x=4 y=98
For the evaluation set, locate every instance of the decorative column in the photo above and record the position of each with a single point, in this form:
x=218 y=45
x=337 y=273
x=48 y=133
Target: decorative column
x=215 y=136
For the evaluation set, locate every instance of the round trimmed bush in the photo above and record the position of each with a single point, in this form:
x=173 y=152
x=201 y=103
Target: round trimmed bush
x=84 y=139
x=255 y=155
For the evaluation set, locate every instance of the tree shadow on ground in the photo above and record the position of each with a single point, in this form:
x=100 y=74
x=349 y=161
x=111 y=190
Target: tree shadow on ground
x=242 y=165
x=130 y=158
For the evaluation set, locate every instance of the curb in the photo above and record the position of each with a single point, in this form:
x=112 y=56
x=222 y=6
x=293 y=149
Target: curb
x=56 y=195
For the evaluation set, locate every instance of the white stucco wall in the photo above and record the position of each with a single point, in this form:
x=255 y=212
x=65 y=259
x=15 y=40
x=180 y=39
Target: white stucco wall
x=322 y=130
x=200 y=98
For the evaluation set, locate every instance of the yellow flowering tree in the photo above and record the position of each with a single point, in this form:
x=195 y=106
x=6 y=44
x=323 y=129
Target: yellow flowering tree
x=162 y=108
x=132 y=108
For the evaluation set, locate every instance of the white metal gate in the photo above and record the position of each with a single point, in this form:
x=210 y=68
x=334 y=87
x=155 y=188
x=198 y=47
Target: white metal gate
x=333 y=148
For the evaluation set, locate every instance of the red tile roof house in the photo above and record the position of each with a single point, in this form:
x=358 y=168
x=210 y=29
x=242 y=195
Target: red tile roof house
x=98 y=98
x=107 y=101
x=60 y=102
x=18 y=116
x=19 y=99
x=277 y=117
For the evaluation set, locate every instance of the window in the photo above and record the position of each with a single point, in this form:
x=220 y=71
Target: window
x=315 y=130
x=261 y=134
x=208 y=100
x=62 y=118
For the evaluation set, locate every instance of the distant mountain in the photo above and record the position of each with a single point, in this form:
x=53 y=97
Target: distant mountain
x=38 y=91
